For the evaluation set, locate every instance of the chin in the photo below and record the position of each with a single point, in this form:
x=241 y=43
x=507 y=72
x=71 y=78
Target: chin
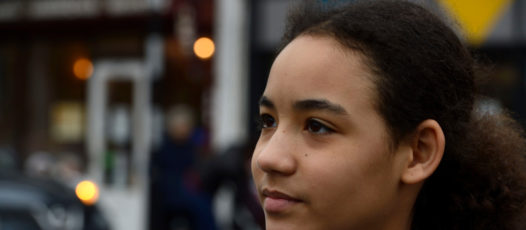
x=288 y=224
x=274 y=225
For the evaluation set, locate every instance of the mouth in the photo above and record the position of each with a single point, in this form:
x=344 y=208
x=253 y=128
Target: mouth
x=276 y=202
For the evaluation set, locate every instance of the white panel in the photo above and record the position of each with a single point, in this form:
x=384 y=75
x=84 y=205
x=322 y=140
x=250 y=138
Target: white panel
x=230 y=89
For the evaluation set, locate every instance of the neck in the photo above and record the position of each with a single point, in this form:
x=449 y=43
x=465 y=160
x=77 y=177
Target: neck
x=402 y=212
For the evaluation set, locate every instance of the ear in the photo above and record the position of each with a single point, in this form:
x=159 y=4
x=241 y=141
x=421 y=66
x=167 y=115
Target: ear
x=427 y=145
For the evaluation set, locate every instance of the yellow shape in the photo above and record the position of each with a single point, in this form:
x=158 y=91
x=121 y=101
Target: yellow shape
x=204 y=48
x=477 y=17
x=87 y=192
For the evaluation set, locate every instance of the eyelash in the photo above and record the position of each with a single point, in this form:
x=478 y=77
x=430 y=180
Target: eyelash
x=319 y=125
x=262 y=121
x=312 y=125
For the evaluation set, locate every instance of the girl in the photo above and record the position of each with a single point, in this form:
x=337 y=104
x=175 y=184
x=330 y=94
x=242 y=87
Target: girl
x=369 y=121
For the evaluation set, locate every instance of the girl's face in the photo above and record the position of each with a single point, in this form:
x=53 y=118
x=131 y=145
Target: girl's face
x=323 y=159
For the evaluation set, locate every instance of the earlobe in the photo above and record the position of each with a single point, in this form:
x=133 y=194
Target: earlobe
x=427 y=146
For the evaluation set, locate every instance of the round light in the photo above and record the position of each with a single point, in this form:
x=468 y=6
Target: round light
x=204 y=48
x=83 y=68
x=87 y=192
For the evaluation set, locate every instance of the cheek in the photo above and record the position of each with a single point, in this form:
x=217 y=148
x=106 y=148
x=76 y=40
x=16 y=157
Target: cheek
x=347 y=178
x=253 y=165
x=330 y=174
x=256 y=171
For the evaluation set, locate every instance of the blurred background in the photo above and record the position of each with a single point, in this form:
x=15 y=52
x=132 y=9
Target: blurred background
x=138 y=114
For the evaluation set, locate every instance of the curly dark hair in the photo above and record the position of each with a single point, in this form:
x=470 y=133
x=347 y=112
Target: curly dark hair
x=423 y=71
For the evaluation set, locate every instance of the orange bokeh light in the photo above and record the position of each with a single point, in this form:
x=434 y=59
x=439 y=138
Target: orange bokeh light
x=87 y=192
x=83 y=68
x=204 y=48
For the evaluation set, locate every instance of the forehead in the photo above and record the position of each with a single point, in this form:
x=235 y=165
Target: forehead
x=319 y=67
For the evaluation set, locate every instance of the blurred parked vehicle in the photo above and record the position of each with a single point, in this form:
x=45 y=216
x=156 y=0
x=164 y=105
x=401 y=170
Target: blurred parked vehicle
x=44 y=204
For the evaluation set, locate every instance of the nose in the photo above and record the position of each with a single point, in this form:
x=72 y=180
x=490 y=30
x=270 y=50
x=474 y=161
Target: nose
x=276 y=155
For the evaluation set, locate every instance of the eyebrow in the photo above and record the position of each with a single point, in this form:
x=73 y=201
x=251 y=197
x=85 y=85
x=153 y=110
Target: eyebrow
x=308 y=105
x=319 y=104
x=265 y=102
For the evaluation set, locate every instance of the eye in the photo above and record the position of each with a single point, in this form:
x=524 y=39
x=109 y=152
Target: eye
x=317 y=127
x=266 y=121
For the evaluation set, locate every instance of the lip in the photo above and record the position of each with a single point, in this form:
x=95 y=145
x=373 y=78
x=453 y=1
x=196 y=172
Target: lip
x=276 y=202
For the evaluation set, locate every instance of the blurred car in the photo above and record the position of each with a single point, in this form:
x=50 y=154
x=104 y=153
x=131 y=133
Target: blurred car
x=44 y=204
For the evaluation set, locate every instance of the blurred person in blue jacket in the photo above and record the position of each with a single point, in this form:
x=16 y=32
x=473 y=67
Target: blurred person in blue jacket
x=177 y=201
